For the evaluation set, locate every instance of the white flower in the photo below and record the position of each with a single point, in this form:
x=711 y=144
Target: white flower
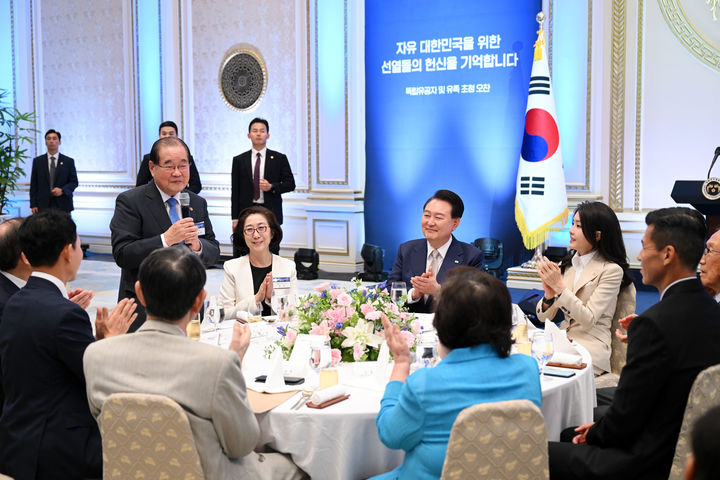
x=362 y=334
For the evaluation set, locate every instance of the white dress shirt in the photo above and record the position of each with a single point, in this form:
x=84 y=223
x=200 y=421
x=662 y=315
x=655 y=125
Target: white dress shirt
x=19 y=282
x=442 y=251
x=56 y=281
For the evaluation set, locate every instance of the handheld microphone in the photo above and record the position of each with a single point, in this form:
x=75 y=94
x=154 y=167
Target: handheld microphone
x=185 y=204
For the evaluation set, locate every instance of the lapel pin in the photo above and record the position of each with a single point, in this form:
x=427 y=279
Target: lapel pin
x=457 y=261
x=271 y=157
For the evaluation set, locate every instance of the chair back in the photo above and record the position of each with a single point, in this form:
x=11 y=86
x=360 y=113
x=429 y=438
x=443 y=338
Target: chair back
x=625 y=306
x=704 y=394
x=492 y=249
x=499 y=440
x=147 y=436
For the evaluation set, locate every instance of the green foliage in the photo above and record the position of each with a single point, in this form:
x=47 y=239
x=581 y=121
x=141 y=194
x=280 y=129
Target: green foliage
x=16 y=135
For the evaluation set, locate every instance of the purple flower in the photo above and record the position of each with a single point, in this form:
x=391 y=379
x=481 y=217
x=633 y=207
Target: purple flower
x=281 y=330
x=339 y=325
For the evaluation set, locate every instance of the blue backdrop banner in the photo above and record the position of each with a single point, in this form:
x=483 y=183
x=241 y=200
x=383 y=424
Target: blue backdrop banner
x=446 y=90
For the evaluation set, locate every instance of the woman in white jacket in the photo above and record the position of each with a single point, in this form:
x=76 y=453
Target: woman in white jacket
x=249 y=278
x=592 y=284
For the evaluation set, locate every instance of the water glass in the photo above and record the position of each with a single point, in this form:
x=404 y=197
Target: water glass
x=320 y=356
x=397 y=291
x=542 y=350
x=426 y=355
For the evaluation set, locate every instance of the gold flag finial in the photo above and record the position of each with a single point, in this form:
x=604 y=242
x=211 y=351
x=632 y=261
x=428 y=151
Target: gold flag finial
x=540 y=17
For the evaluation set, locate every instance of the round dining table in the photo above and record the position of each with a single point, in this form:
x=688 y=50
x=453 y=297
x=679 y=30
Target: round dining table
x=341 y=441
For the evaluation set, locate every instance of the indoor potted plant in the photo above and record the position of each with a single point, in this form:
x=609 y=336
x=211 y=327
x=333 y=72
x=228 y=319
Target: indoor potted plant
x=16 y=134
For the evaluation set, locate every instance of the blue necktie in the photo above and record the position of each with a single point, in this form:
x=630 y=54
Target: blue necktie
x=172 y=203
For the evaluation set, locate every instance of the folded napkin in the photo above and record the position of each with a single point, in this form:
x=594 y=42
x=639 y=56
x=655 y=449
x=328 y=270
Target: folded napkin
x=327 y=394
x=383 y=360
x=566 y=359
x=563 y=350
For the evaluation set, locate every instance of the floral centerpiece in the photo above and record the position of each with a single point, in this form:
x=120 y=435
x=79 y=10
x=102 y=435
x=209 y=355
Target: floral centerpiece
x=350 y=319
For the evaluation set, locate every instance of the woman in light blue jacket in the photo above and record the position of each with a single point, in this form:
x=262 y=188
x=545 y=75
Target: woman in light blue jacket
x=473 y=320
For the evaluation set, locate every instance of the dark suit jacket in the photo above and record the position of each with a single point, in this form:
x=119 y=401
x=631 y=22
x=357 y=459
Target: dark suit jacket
x=277 y=172
x=46 y=430
x=668 y=345
x=144 y=176
x=139 y=220
x=7 y=289
x=412 y=258
x=65 y=178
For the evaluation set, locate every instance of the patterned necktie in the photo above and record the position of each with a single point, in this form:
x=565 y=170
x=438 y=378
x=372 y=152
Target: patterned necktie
x=52 y=171
x=435 y=262
x=172 y=203
x=256 y=179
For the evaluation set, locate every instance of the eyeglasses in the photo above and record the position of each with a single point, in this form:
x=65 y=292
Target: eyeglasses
x=249 y=231
x=709 y=250
x=183 y=167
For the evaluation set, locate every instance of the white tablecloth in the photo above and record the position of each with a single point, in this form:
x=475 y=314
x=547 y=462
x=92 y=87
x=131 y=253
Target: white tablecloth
x=341 y=441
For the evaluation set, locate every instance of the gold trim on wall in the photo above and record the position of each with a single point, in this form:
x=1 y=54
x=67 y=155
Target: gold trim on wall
x=309 y=102
x=638 y=103
x=588 y=91
x=688 y=35
x=318 y=181
x=617 y=104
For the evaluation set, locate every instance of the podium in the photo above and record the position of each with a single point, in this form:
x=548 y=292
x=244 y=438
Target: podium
x=691 y=191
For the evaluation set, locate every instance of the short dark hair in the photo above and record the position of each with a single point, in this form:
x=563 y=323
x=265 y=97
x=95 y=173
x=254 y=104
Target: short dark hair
x=168 y=123
x=44 y=235
x=474 y=308
x=705 y=441
x=259 y=120
x=165 y=142
x=598 y=217
x=683 y=228
x=239 y=235
x=458 y=207
x=10 y=244
x=170 y=279
x=53 y=131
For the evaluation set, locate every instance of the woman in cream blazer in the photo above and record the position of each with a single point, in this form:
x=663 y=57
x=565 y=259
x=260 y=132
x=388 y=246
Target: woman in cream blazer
x=245 y=283
x=588 y=282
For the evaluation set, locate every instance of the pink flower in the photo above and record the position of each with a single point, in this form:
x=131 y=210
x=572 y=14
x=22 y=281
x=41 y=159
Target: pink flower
x=337 y=315
x=374 y=315
x=409 y=338
x=366 y=308
x=321 y=287
x=344 y=299
x=415 y=326
x=336 y=356
x=357 y=352
x=322 y=329
x=291 y=335
x=336 y=292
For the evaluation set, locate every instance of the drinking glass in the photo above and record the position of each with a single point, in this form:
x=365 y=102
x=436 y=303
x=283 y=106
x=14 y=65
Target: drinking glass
x=397 y=290
x=426 y=355
x=320 y=356
x=542 y=350
x=210 y=322
x=254 y=312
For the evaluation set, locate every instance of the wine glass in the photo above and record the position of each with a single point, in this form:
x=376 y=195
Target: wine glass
x=542 y=350
x=397 y=291
x=210 y=322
